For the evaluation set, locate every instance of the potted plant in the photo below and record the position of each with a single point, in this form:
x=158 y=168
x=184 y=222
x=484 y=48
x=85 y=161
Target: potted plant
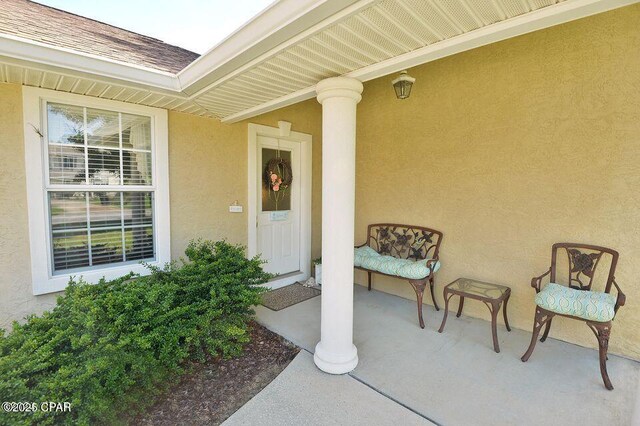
x=317 y=263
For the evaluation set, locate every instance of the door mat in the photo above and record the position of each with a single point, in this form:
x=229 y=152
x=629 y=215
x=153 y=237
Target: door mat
x=290 y=295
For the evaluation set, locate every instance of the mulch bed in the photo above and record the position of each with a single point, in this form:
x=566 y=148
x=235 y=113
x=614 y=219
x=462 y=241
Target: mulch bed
x=214 y=390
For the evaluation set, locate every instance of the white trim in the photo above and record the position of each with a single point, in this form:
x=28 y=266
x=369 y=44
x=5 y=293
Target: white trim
x=53 y=56
x=276 y=29
x=43 y=281
x=285 y=128
x=529 y=22
x=281 y=102
x=274 y=17
x=306 y=164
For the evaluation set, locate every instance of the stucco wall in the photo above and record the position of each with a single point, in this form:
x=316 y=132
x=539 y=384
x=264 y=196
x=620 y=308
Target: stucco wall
x=16 y=297
x=509 y=148
x=207 y=173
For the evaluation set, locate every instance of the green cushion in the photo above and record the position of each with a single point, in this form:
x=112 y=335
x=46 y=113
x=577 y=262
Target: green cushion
x=589 y=305
x=367 y=258
x=364 y=251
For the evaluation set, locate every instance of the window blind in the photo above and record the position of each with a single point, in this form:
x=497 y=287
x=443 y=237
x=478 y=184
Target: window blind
x=100 y=187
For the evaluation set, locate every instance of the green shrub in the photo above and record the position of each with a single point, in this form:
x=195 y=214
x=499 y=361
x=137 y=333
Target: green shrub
x=108 y=348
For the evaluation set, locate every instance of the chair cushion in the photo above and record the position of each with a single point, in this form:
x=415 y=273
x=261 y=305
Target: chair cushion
x=589 y=305
x=367 y=258
x=362 y=252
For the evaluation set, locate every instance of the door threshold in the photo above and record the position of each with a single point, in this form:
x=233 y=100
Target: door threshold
x=285 y=279
x=287 y=275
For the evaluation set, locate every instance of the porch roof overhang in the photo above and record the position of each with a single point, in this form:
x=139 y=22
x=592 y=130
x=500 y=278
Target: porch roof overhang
x=278 y=57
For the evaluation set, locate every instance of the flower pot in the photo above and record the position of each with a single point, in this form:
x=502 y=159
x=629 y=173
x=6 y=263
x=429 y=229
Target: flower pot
x=318 y=273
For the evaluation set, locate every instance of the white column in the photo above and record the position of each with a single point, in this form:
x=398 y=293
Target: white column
x=336 y=353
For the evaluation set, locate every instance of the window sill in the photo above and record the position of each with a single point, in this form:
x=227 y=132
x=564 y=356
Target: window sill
x=59 y=283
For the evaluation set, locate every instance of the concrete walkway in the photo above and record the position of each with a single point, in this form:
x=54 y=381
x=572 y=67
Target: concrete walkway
x=303 y=395
x=453 y=378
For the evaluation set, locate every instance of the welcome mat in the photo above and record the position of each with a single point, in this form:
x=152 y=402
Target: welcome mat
x=290 y=295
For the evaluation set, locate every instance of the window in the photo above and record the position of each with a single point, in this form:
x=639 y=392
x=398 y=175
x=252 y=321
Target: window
x=103 y=188
x=68 y=162
x=92 y=154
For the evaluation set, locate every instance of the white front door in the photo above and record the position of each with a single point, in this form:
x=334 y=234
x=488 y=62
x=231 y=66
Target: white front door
x=278 y=205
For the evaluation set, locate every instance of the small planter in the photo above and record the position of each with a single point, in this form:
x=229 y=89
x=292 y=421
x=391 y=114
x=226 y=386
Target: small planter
x=318 y=271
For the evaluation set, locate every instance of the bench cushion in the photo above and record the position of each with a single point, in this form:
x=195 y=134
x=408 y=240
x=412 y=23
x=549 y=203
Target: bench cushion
x=589 y=305
x=367 y=258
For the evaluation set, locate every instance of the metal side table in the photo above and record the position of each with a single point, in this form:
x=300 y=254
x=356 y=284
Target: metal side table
x=492 y=295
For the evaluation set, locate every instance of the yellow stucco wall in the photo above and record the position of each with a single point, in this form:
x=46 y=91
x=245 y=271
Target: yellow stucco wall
x=207 y=173
x=509 y=148
x=16 y=297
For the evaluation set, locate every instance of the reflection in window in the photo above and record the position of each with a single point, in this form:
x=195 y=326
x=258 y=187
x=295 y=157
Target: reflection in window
x=94 y=224
x=97 y=228
x=68 y=162
x=136 y=132
x=65 y=124
x=60 y=158
x=112 y=148
x=103 y=128
x=103 y=166
x=136 y=168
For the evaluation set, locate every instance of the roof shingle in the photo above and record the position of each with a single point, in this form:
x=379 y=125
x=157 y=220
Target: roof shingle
x=33 y=21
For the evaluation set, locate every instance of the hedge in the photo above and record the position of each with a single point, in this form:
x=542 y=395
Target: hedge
x=109 y=348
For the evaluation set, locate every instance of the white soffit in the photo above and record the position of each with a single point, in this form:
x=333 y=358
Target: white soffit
x=39 y=65
x=278 y=57
x=28 y=75
x=386 y=37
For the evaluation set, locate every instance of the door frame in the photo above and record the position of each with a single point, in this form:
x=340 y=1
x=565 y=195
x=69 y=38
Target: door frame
x=281 y=132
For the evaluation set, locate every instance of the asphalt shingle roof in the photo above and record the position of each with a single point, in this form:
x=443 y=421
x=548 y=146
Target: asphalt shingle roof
x=33 y=21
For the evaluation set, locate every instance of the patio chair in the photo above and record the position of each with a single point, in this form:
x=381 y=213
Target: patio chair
x=402 y=251
x=577 y=300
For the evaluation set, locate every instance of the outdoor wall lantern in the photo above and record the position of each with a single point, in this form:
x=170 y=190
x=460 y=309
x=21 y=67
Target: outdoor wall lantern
x=402 y=85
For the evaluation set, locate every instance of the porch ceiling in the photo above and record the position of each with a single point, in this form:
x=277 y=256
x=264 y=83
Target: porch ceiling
x=276 y=59
x=367 y=33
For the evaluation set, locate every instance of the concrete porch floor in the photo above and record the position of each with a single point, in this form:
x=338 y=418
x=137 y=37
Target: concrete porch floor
x=455 y=378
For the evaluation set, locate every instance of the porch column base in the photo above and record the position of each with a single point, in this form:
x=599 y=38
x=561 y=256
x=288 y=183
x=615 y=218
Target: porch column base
x=334 y=363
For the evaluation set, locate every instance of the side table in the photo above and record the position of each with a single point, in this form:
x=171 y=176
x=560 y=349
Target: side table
x=492 y=295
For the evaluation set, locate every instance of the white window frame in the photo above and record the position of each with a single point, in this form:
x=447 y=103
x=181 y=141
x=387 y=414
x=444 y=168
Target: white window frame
x=34 y=113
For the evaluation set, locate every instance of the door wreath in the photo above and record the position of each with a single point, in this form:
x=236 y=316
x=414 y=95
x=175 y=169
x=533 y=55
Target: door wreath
x=278 y=177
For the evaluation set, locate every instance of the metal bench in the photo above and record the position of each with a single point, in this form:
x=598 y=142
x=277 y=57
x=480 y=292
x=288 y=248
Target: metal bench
x=402 y=251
